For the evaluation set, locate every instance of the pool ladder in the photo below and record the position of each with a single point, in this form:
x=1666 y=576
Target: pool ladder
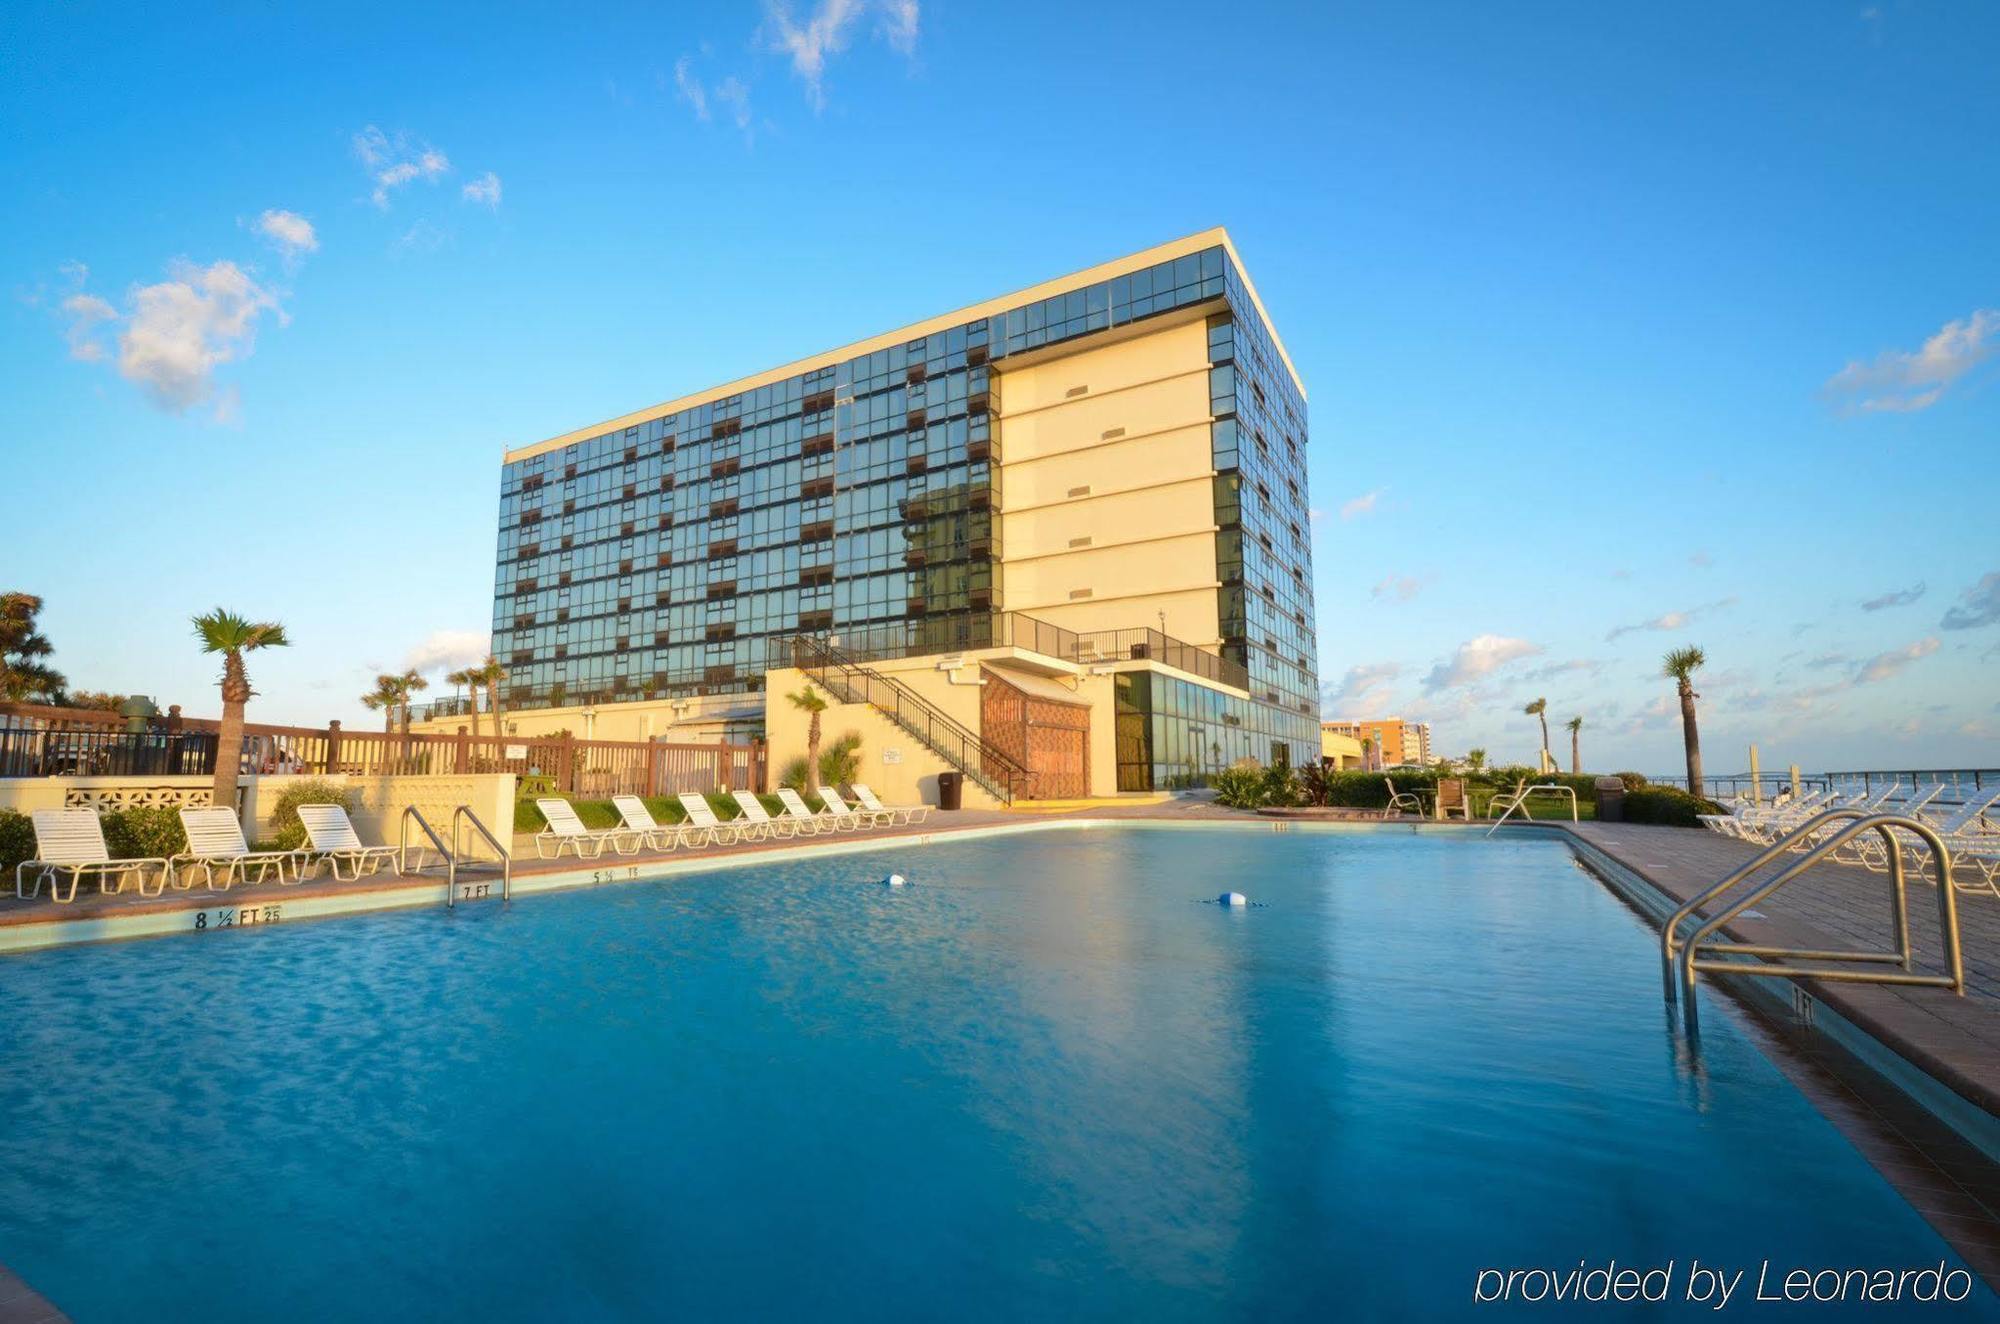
x=1680 y=959
x=461 y=817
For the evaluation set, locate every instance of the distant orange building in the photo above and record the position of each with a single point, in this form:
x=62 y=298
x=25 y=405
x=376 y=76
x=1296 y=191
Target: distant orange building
x=1388 y=740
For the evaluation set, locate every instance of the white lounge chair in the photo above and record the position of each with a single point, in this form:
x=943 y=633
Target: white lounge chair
x=864 y=816
x=827 y=822
x=753 y=811
x=701 y=816
x=565 y=831
x=333 y=840
x=71 y=841
x=897 y=813
x=655 y=834
x=1402 y=801
x=216 y=837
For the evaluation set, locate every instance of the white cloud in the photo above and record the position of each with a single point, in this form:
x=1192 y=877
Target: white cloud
x=173 y=335
x=1477 y=658
x=290 y=233
x=448 y=650
x=180 y=330
x=811 y=45
x=1362 y=505
x=808 y=45
x=484 y=190
x=1400 y=587
x=86 y=312
x=392 y=163
x=1364 y=690
x=689 y=86
x=423 y=237
x=899 y=25
x=731 y=95
x=1673 y=620
x=1905 y=381
x=734 y=93
x=372 y=146
x=1978 y=606
x=1556 y=670
x=1885 y=665
x=1901 y=597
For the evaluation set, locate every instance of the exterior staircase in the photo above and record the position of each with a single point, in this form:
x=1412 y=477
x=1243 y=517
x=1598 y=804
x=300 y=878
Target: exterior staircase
x=943 y=735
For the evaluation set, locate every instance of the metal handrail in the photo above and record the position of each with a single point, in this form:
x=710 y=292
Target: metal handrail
x=1887 y=824
x=1669 y=931
x=832 y=660
x=464 y=814
x=403 y=839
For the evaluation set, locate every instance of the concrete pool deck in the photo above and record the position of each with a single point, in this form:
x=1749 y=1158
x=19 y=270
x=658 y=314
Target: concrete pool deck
x=1951 y=1042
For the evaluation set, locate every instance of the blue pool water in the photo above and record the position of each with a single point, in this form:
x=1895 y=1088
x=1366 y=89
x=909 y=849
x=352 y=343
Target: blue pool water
x=1042 y=1081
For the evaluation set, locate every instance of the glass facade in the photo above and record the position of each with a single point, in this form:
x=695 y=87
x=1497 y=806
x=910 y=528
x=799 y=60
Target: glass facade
x=661 y=558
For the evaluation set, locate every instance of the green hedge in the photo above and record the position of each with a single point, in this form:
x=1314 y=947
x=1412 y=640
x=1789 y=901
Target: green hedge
x=287 y=833
x=17 y=840
x=144 y=832
x=141 y=832
x=1668 y=806
x=666 y=810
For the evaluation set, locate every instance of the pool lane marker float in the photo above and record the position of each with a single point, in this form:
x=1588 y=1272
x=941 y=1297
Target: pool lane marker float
x=894 y=880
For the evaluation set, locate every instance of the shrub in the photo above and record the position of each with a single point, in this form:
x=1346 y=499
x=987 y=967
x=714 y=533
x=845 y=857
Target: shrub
x=17 y=840
x=839 y=764
x=1314 y=784
x=287 y=833
x=1280 y=787
x=1668 y=806
x=1370 y=790
x=144 y=832
x=1239 y=787
x=1633 y=780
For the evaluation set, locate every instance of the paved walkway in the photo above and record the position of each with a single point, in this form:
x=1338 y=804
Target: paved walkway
x=1835 y=906
x=22 y=1304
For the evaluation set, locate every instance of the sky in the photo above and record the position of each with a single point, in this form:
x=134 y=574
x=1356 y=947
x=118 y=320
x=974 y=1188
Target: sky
x=1624 y=327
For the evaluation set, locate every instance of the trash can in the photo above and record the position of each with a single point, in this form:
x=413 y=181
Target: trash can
x=1610 y=799
x=951 y=790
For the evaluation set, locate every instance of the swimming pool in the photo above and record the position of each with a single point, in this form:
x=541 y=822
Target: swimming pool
x=1045 y=1079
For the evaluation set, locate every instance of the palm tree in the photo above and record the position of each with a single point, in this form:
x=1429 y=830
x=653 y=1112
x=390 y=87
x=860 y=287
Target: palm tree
x=1540 y=708
x=412 y=682
x=23 y=674
x=387 y=696
x=1368 y=753
x=1575 y=724
x=810 y=700
x=490 y=673
x=232 y=636
x=1475 y=759
x=468 y=677
x=1679 y=666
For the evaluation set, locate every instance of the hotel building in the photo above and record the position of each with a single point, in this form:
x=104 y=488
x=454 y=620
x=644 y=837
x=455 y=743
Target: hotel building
x=1391 y=740
x=1072 y=520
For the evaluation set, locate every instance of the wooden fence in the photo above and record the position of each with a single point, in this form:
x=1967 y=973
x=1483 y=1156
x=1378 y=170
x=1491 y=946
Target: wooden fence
x=50 y=741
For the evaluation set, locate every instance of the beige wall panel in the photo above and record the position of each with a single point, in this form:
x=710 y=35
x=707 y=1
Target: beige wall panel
x=1108 y=369
x=895 y=766
x=1183 y=455
x=1121 y=519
